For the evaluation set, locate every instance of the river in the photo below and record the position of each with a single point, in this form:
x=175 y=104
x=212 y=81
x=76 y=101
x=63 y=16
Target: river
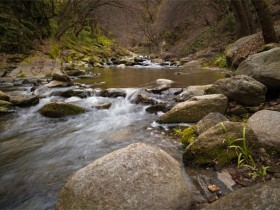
x=38 y=154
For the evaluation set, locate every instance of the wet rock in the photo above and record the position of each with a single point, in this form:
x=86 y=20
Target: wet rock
x=156 y=108
x=164 y=81
x=263 y=67
x=266 y=125
x=121 y=66
x=62 y=78
x=138 y=59
x=42 y=92
x=159 y=89
x=76 y=92
x=260 y=196
x=113 y=93
x=192 y=91
x=157 y=60
x=6 y=107
x=240 y=88
x=60 y=109
x=195 y=109
x=126 y=179
x=209 y=121
x=4 y=96
x=24 y=100
x=203 y=182
x=55 y=83
x=146 y=98
x=210 y=147
x=102 y=105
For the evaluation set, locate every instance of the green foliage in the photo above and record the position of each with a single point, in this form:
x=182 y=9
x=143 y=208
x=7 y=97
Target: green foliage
x=187 y=135
x=245 y=155
x=260 y=172
x=220 y=61
x=21 y=23
x=54 y=52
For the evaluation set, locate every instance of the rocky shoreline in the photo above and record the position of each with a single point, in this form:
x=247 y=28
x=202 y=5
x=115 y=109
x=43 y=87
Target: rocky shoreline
x=229 y=116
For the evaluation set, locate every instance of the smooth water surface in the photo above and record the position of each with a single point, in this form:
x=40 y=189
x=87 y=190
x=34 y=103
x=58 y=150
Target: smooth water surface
x=143 y=77
x=38 y=154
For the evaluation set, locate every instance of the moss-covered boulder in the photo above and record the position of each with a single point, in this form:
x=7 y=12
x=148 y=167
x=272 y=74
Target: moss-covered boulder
x=4 y=96
x=211 y=147
x=60 y=109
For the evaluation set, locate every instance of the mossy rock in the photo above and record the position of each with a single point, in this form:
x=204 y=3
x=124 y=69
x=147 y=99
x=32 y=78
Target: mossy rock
x=24 y=100
x=60 y=109
x=5 y=107
x=5 y=104
x=211 y=147
x=187 y=135
x=4 y=96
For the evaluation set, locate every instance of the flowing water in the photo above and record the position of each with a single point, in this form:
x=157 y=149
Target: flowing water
x=37 y=154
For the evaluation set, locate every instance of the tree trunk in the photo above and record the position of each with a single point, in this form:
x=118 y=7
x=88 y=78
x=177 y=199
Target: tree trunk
x=244 y=27
x=266 y=21
x=247 y=9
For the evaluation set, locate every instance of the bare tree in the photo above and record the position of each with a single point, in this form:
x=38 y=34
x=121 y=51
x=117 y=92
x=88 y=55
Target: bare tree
x=265 y=17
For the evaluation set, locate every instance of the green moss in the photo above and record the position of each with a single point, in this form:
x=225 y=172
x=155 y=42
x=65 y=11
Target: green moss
x=218 y=156
x=48 y=75
x=21 y=75
x=31 y=59
x=55 y=110
x=187 y=135
x=54 y=52
x=220 y=61
x=5 y=104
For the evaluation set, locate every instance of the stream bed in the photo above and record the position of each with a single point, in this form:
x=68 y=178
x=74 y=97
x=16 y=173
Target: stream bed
x=38 y=154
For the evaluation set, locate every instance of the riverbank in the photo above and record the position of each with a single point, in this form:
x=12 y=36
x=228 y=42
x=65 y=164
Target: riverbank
x=102 y=120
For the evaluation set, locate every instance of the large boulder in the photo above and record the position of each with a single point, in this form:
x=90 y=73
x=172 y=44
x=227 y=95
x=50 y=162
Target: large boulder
x=60 y=109
x=191 y=91
x=264 y=67
x=209 y=121
x=195 y=109
x=260 y=196
x=4 y=96
x=242 y=88
x=266 y=125
x=24 y=100
x=242 y=48
x=136 y=177
x=211 y=146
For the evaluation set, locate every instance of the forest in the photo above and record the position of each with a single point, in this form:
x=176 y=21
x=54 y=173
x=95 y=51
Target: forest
x=139 y=104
